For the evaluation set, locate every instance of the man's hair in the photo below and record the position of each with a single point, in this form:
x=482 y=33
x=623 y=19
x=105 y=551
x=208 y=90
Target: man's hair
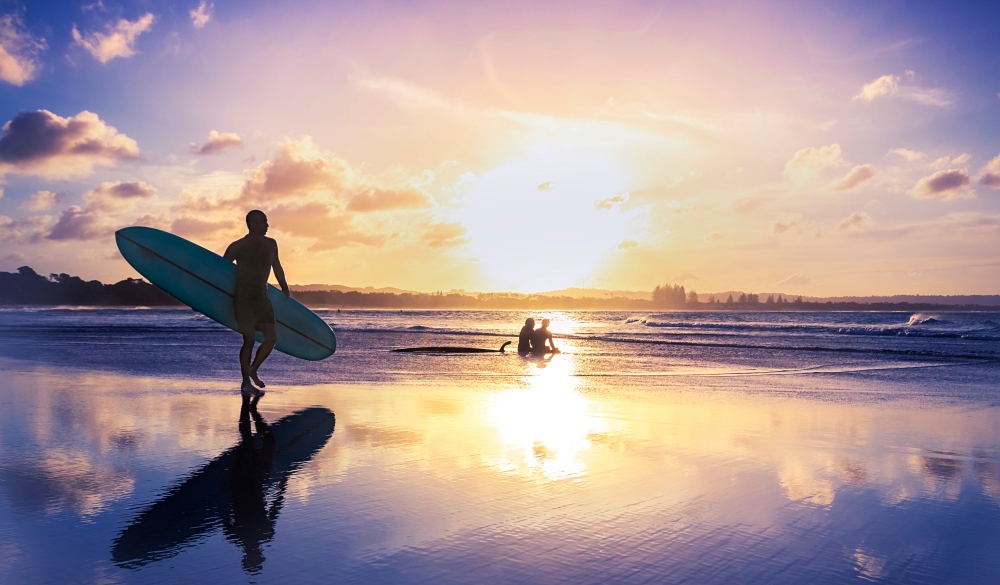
x=256 y=213
x=545 y=322
x=529 y=321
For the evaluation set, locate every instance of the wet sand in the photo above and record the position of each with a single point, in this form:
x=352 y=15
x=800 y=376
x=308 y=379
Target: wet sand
x=766 y=478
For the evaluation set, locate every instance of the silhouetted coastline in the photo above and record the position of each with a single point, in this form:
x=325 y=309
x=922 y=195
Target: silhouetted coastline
x=28 y=288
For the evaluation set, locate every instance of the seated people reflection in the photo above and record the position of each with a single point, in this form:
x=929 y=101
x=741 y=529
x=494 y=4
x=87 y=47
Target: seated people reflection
x=541 y=340
x=524 y=337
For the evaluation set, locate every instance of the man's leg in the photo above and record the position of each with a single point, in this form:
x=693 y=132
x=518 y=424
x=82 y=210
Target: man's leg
x=246 y=351
x=270 y=332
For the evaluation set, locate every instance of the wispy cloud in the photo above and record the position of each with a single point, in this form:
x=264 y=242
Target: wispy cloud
x=888 y=86
x=40 y=201
x=201 y=15
x=118 y=39
x=905 y=153
x=856 y=222
x=19 y=51
x=812 y=159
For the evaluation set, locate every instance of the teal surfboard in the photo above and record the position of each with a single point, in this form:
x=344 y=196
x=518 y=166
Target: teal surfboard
x=206 y=282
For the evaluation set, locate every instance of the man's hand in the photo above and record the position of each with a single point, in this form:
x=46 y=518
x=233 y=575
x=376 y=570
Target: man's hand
x=287 y=292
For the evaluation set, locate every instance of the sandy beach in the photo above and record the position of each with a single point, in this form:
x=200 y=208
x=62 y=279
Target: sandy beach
x=708 y=475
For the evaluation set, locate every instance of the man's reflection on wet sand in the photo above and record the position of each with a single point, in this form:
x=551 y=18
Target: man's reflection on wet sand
x=241 y=490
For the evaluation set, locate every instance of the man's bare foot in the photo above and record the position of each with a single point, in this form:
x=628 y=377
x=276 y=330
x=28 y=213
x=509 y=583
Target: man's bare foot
x=247 y=389
x=256 y=380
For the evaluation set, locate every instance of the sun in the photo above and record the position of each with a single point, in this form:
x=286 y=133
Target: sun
x=535 y=222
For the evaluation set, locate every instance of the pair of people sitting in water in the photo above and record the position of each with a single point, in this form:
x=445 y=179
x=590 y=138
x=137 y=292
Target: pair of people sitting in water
x=536 y=341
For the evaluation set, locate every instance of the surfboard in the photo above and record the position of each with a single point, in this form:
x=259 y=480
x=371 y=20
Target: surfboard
x=206 y=282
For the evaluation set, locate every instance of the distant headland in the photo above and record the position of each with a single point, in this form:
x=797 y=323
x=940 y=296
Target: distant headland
x=25 y=287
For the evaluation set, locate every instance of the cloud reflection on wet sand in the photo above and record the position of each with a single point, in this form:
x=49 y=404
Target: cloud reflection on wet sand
x=542 y=478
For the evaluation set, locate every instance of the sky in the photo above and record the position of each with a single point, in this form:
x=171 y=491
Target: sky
x=814 y=148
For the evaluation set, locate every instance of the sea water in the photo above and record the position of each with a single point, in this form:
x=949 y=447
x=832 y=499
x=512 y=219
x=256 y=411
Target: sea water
x=667 y=447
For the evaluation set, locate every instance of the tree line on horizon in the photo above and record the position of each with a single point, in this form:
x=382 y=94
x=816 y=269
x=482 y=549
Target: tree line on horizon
x=675 y=297
x=27 y=287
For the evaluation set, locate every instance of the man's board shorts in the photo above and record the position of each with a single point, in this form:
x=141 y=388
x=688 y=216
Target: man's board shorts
x=252 y=312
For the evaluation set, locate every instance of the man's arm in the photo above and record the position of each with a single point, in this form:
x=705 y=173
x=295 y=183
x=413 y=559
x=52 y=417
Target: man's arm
x=230 y=254
x=279 y=273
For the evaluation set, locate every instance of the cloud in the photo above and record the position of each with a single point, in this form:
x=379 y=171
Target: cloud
x=946 y=162
x=787 y=222
x=796 y=280
x=44 y=144
x=386 y=199
x=19 y=50
x=40 y=201
x=545 y=186
x=118 y=195
x=217 y=142
x=886 y=85
x=856 y=222
x=29 y=229
x=858 y=175
x=611 y=202
x=201 y=15
x=298 y=168
x=314 y=220
x=812 y=159
x=991 y=174
x=93 y=220
x=118 y=41
x=628 y=244
x=196 y=227
x=909 y=155
x=945 y=185
x=445 y=235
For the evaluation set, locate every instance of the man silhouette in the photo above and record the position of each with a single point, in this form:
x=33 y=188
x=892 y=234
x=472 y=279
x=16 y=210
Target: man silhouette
x=541 y=340
x=255 y=255
x=524 y=338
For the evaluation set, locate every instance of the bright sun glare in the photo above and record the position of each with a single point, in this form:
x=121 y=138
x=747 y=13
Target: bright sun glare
x=535 y=223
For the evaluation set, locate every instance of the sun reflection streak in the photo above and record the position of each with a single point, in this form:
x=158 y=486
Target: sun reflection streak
x=545 y=429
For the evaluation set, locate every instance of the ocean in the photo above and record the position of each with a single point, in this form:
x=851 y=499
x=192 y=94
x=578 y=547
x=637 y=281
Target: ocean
x=666 y=447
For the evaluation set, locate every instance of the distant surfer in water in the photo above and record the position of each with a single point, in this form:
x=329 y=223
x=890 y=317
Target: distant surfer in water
x=255 y=255
x=524 y=337
x=541 y=340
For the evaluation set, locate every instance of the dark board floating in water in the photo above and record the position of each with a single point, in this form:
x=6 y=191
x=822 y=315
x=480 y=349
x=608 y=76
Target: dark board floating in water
x=451 y=349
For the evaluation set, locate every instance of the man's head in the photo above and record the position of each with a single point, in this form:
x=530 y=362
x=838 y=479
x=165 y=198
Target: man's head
x=257 y=222
x=545 y=323
x=529 y=322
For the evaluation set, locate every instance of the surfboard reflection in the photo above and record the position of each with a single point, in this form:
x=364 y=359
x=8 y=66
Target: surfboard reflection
x=241 y=491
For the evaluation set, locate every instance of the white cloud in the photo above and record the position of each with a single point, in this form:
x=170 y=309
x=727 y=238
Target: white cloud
x=886 y=85
x=858 y=175
x=201 y=15
x=812 y=159
x=19 y=51
x=628 y=244
x=946 y=162
x=39 y=201
x=218 y=142
x=118 y=41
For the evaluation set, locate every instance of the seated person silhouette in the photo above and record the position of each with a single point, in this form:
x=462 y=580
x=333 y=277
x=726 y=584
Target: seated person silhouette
x=524 y=337
x=541 y=340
